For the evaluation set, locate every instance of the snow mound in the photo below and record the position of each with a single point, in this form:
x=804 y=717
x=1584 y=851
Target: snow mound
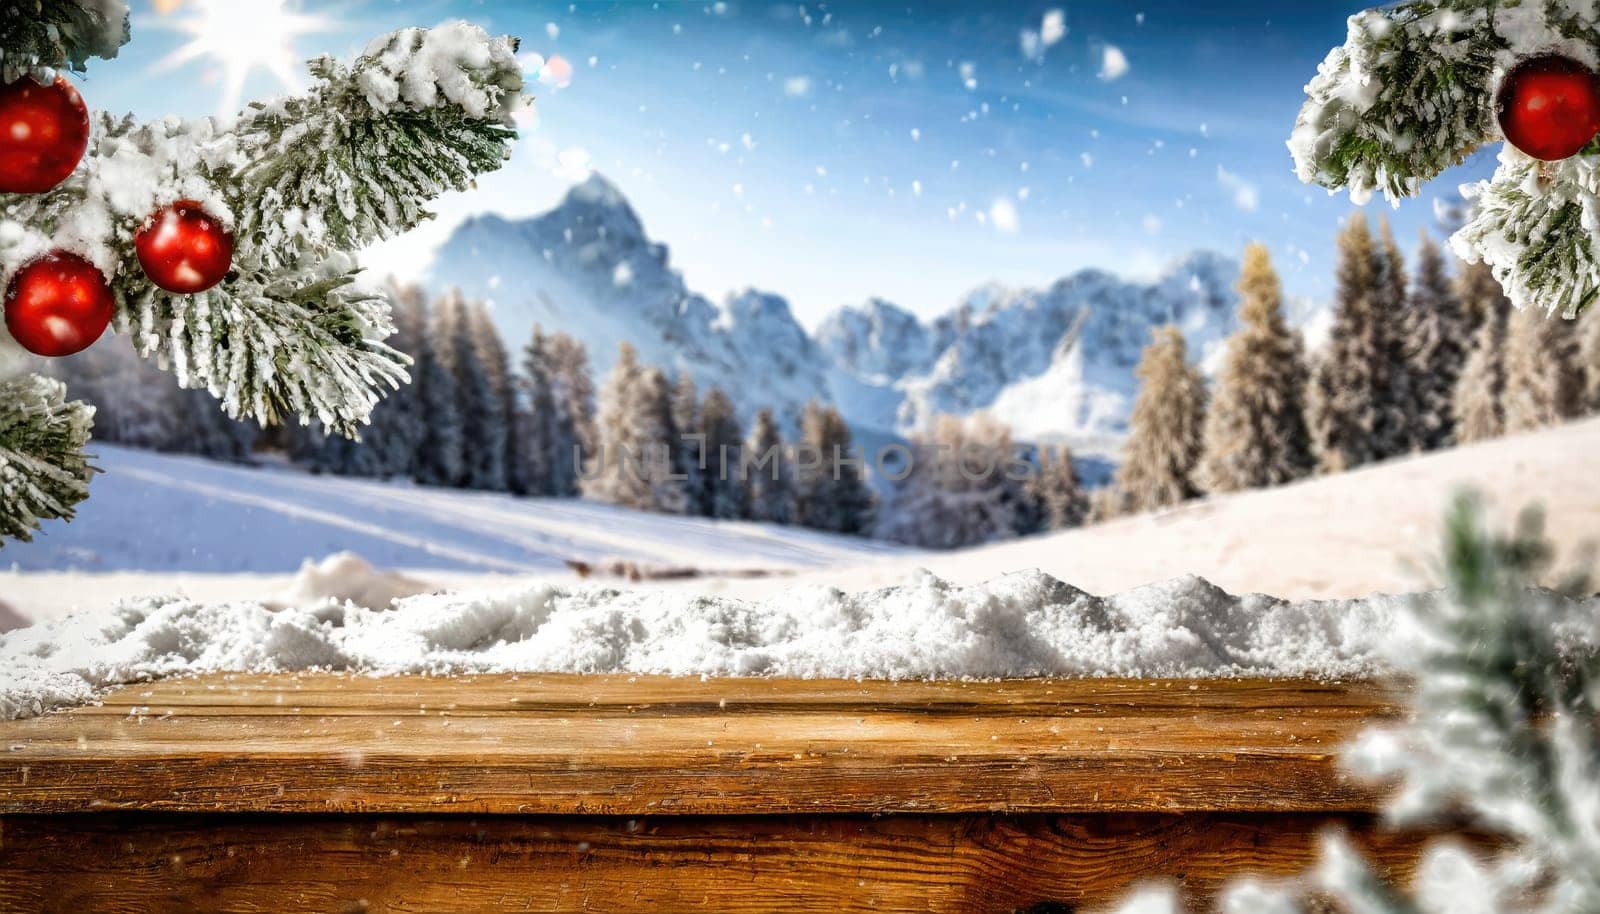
x=1018 y=625
x=345 y=577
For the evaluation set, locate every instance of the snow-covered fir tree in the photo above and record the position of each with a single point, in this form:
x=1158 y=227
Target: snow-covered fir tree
x=654 y=437
x=1436 y=345
x=1544 y=379
x=1477 y=401
x=687 y=454
x=504 y=406
x=300 y=182
x=483 y=428
x=1162 y=453
x=1480 y=295
x=572 y=388
x=767 y=473
x=440 y=454
x=963 y=489
x=829 y=491
x=722 y=490
x=1397 y=417
x=1589 y=351
x=611 y=477
x=389 y=443
x=540 y=429
x=1255 y=428
x=1348 y=387
x=1056 y=489
x=398 y=423
x=138 y=405
x=1415 y=89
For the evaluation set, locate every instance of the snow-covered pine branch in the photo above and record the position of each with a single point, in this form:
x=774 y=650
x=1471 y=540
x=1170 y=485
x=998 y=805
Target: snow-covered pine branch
x=1535 y=224
x=58 y=34
x=43 y=470
x=1502 y=737
x=1412 y=92
x=302 y=182
x=357 y=158
x=1504 y=729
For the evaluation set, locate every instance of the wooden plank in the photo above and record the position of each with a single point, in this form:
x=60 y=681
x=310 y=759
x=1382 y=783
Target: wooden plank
x=645 y=745
x=155 y=864
x=522 y=693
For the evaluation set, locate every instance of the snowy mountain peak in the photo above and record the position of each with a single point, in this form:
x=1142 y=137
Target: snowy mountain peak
x=1056 y=362
x=588 y=268
x=877 y=340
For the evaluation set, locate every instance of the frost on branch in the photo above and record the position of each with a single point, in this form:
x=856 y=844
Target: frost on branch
x=1502 y=737
x=58 y=34
x=303 y=341
x=302 y=182
x=455 y=64
x=1411 y=93
x=356 y=160
x=1535 y=224
x=1504 y=730
x=43 y=470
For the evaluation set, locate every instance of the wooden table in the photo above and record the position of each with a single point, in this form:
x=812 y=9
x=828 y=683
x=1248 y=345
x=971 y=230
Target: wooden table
x=613 y=794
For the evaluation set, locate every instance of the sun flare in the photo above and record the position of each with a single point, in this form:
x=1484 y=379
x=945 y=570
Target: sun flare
x=241 y=38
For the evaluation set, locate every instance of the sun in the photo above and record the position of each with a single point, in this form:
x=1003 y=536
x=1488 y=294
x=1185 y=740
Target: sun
x=242 y=37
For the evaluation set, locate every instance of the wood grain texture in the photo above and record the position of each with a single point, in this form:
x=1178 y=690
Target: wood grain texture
x=621 y=745
x=159 y=864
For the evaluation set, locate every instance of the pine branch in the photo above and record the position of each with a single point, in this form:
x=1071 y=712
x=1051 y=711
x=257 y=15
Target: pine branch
x=43 y=470
x=58 y=34
x=421 y=112
x=1404 y=98
x=1504 y=726
x=1411 y=93
x=302 y=182
x=1532 y=223
x=308 y=342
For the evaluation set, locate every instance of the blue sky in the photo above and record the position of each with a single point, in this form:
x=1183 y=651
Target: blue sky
x=905 y=150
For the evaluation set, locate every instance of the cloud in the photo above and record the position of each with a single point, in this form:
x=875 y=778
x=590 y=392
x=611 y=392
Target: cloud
x=1244 y=193
x=1113 y=63
x=797 y=86
x=1003 y=216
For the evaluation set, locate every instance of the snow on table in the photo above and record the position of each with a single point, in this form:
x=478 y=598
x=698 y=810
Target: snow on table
x=1026 y=624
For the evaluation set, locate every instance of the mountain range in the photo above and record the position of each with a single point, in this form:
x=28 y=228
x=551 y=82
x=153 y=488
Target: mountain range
x=1056 y=363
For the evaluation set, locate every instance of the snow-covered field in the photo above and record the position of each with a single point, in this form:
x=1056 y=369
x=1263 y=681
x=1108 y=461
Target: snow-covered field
x=1374 y=530
x=160 y=524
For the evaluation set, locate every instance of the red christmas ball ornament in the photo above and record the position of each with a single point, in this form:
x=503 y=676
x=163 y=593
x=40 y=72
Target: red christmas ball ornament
x=43 y=133
x=1549 y=106
x=58 y=304
x=184 y=249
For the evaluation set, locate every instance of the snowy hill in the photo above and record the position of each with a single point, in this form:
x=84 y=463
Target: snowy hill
x=1370 y=530
x=1056 y=363
x=159 y=513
